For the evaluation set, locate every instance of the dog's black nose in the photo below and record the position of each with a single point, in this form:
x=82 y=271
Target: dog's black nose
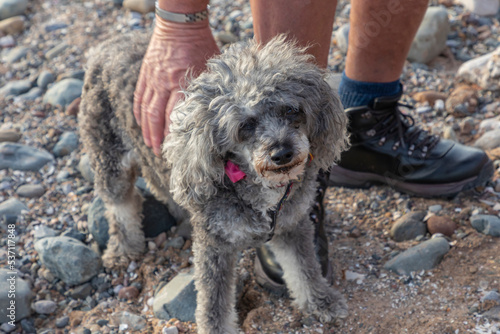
x=282 y=155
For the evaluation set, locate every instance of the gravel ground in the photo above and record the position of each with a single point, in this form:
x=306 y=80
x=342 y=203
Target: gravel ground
x=446 y=299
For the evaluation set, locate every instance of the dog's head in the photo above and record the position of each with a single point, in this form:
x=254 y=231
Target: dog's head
x=266 y=108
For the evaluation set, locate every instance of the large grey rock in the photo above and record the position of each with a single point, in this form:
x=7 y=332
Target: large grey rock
x=484 y=70
x=431 y=36
x=16 y=54
x=424 y=256
x=10 y=8
x=486 y=224
x=64 y=92
x=15 y=88
x=21 y=157
x=30 y=190
x=177 y=299
x=481 y=7
x=22 y=306
x=68 y=259
x=13 y=207
x=409 y=226
x=489 y=140
x=66 y=144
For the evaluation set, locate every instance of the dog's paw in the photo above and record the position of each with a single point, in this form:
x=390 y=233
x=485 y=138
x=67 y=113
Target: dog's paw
x=328 y=307
x=116 y=256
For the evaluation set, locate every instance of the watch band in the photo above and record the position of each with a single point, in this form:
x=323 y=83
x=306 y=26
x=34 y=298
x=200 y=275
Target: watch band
x=180 y=17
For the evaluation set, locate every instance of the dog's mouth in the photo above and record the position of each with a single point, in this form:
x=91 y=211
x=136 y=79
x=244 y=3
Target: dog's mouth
x=280 y=176
x=285 y=169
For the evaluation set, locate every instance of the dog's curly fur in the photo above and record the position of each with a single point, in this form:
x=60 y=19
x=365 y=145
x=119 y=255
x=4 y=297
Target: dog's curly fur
x=264 y=108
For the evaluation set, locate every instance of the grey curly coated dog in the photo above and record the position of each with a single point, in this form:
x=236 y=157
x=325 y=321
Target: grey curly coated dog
x=253 y=130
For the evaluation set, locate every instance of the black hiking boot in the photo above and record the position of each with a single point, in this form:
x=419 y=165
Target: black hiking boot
x=386 y=147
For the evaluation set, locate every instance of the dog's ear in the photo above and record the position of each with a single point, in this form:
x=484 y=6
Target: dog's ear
x=192 y=152
x=328 y=127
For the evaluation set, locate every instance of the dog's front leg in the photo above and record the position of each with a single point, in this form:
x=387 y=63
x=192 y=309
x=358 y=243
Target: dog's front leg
x=294 y=250
x=215 y=283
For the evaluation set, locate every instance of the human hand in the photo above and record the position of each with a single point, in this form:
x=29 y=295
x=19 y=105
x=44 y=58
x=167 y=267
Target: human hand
x=174 y=48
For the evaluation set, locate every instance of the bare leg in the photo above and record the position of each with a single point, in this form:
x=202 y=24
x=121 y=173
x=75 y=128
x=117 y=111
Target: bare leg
x=308 y=22
x=380 y=37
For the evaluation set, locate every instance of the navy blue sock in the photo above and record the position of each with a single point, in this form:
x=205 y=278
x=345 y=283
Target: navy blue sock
x=355 y=93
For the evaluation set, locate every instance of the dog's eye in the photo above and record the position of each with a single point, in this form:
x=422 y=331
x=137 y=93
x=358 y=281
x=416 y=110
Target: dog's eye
x=291 y=111
x=247 y=128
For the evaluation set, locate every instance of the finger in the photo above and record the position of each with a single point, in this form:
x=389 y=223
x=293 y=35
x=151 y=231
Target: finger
x=138 y=95
x=157 y=120
x=146 y=100
x=170 y=106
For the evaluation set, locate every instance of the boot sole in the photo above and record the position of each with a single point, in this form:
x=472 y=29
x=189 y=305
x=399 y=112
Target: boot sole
x=341 y=177
x=276 y=288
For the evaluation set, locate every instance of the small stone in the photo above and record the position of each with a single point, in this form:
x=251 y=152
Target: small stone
x=55 y=26
x=68 y=259
x=141 y=6
x=489 y=140
x=13 y=207
x=431 y=36
x=467 y=125
x=176 y=243
x=177 y=299
x=441 y=224
x=462 y=97
x=435 y=208
x=424 y=256
x=486 y=224
x=15 y=88
x=226 y=37
x=31 y=95
x=16 y=54
x=409 y=226
x=44 y=79
x=10 y=135
x=21 y=157
x=170 y=330
x=342 y=37
x=81 y=291
x=481 y=7
x=74 y=107
x=484 y=70
x=56 y=51
x=64 y=92
x=66 y=144
x=429 y=96
x=102 y=322
x=30 y=190
x=85 y=169
x=23 y=297
x=489 y=124
x=12 y=26
x=62 y=322
x=128 y=293
x=7 y=41
x=449 y=133
x=160 y=239
x=7 y=328
x=491 y=295
x=42 y=231
x=44 y=306
x=11 y=8
x=128 y=321
x=439 y=105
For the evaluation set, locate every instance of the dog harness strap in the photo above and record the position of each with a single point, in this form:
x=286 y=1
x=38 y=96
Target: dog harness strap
x=274 y=213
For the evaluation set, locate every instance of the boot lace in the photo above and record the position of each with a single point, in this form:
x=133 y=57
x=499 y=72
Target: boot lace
x=395 y=124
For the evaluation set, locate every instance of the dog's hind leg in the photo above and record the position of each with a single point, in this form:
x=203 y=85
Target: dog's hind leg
x=115 y=173
x=294 y=250
x=115 y=185
x=215 y=282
